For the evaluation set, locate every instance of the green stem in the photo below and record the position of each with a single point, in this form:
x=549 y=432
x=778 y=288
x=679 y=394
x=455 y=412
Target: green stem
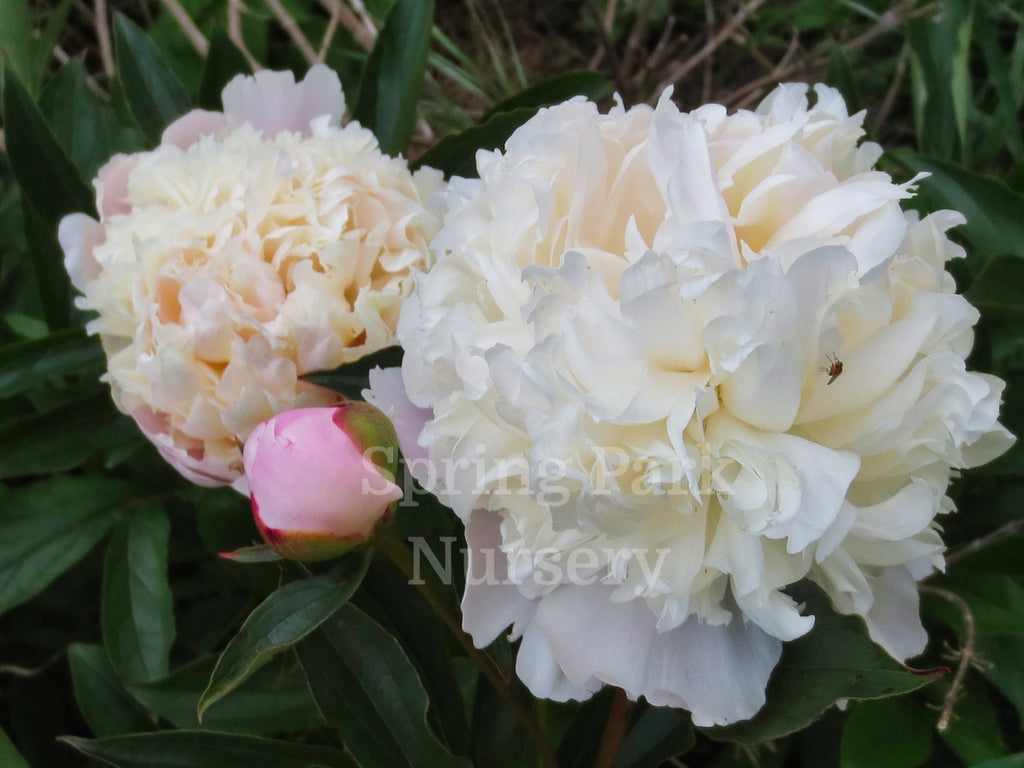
x=614 y=731
x=395 y=550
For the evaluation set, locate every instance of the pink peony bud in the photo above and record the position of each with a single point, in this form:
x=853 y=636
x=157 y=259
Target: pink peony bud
x=321 y=479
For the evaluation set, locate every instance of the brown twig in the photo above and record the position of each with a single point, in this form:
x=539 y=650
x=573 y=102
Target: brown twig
x=614 y=731
x=896 y=15
x=709 y=61
x=988 y=540
x=291 y=28
x=967 y=654
x=882 y=113
x=103 y=37
x=197 y=38
x=341 y=14
x=720 y=37
x=235 y=10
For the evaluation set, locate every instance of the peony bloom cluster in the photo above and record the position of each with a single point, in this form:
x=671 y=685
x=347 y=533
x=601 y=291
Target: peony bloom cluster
x=251 y=247
x=673 y=363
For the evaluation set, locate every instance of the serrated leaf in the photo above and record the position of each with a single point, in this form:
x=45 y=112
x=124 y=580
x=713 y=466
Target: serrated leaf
x=660 y=734
x=368 y=690
x=223 y=62
x=47 y=177
x=281 y=621
x=554 y=90
x=901 y=724
x=206 y=749
x=455 y=155
x=49 y=526
x=101 y=697
x=155 y=95
x=137 y=615
x=275 y=699
x=31 y=364
x=393 y=77
x=10 y=757
x=835 y=660
x=994 y=224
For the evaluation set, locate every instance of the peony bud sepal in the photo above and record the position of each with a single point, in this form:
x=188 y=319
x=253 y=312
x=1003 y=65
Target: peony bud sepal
x=322 y=479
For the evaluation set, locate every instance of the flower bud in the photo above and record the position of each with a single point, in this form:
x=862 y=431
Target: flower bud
x=321 y=479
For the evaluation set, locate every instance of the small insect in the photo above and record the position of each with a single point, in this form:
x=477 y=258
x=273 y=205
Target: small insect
x=833 y=369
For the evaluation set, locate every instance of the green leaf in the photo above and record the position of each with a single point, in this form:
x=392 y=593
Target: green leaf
x=17 y=43
x=554 y=90
x=405 y=613
x=579 y=744
x=84 y=125
x=352 y=378
x=223 y=62
x=102 y=699
x=48 y=265
x=138 y=609
x=835 y=660
x=902 y=725
x=659 y=734
x=1010 y=761
x=258 y=553
x=29 y=365
x=9 y=755
x=275 y=699
x=393 y=76
x=455 y=155
x=51 y=525
x=47 y=177
x=368 y=690
x=997 y=288
x=280 y=621
x=1002 y=657
x=994 y=224
x=206 y=749
x=155 y=95
x=996 y=600
x=64 y=438
x=940 y=68
x=973 y=734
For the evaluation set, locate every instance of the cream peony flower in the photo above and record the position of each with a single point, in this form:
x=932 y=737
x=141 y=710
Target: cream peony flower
x=251 y=247
x=676 y=362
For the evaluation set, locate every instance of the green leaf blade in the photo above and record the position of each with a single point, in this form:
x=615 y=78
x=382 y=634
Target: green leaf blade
x=51 y=525
x=393 y=76
x=102 y=699
x=206 y=749
x=154 y=92
x=279 y=622
x=369 y=691
x=138 y=611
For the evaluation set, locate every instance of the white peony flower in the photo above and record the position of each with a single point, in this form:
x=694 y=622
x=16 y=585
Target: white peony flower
x=675 y=363
x=251 y=247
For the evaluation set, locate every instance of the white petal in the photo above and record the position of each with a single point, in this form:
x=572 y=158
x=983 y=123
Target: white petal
x=894 y=621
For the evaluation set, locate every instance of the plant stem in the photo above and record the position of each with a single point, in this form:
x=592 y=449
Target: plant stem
x=967 y=654
x=614 y=731
x=395 y=550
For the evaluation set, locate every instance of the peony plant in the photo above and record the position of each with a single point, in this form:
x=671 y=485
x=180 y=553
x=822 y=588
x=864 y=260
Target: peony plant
x=608 y=430
x=673 y=364
x=253 y=246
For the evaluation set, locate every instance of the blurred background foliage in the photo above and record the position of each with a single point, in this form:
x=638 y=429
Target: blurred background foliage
x=114 y=609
